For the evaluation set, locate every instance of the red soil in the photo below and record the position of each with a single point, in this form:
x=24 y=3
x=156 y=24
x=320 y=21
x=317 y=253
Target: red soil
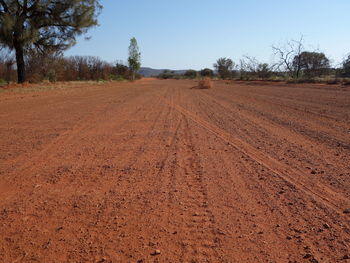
x=243 y=172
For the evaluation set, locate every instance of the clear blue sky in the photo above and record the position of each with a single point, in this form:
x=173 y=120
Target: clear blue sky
x=183 y=34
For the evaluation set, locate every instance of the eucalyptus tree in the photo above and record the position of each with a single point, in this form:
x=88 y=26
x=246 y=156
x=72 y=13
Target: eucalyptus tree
x=207 y=72
x=312 y=64
x=46 y=25
x=134 y=58
x=224 y=67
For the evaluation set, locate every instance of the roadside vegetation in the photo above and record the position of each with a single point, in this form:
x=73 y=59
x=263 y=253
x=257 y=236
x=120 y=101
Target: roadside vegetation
x=293 y=64
x=55 y=67
x=35 y=34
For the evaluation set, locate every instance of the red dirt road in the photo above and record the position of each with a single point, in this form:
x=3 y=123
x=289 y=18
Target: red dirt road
x=244 y=172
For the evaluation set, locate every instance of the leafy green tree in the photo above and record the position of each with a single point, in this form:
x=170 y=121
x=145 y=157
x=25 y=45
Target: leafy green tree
x=191 y=74
x=207 y=73
x=224 y=66
x=312 y=64
x=134 y=58
x=44 y=24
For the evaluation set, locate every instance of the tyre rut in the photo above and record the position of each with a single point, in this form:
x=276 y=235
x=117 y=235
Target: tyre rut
x=273 y=165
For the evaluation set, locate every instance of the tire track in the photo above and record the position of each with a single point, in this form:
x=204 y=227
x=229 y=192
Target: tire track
x=188 y=195
x=341 y=127
x=271 y=126
x=144 y=145
x=270 y=100
x=291 y=136
x=273 y=165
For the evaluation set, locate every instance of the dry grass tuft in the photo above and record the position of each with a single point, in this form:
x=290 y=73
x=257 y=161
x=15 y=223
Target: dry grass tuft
x=205 y=84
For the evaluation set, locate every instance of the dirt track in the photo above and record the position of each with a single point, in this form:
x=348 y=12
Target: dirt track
x=244 y=172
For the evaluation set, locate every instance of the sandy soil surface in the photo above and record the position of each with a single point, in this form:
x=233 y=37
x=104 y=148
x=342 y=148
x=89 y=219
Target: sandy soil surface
x=157 y=171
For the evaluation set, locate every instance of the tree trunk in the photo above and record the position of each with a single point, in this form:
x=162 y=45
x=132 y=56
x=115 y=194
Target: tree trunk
x=298 y=73
x=20 y=62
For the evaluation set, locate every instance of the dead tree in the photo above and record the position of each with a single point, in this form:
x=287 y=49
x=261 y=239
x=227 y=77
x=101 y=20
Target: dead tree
x=286 y=55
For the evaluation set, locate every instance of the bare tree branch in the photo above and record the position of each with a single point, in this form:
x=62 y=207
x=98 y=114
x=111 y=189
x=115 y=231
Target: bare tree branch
x=4 y=5
x=286 y=55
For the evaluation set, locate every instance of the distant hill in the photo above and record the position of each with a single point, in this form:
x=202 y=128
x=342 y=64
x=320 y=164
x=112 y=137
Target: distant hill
x=150 y=72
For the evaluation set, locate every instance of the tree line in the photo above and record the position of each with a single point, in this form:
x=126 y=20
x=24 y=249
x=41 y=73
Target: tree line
x=56 y=67
x=35 y=33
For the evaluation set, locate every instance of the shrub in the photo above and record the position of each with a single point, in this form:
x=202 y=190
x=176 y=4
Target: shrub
x=119 y=78
x=346 y=82
x=207 y=73
x=333 y=81
x=167 y=74
x=191 y=74
x=35 y=78
x=121 y=71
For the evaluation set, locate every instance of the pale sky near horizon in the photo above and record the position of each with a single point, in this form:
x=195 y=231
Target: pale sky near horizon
x=186 y=34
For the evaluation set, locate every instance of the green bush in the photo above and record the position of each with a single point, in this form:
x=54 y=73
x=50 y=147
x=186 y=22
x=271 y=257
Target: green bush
x=167 y=74
x=2 y=82
x=191 y=74
x=207 y=73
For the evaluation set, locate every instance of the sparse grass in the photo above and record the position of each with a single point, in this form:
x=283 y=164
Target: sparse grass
x=205 y=83
x=346 y=81
x=2 y=82
x=330 y=80
x=47 y=86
